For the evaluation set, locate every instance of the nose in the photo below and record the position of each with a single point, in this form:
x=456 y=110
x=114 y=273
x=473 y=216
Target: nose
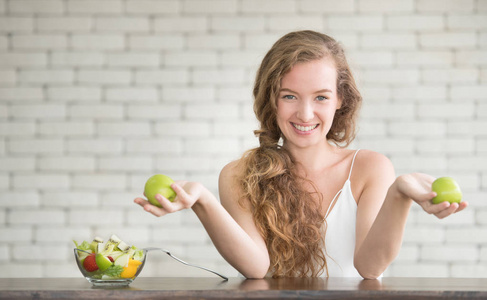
x=305 y=111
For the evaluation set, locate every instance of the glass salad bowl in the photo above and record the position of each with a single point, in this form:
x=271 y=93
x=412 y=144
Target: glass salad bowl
x=115 y=263
x=111 y=273
x=119 y=270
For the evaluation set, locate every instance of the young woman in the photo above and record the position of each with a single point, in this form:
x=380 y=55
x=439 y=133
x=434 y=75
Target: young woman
x=302 y=204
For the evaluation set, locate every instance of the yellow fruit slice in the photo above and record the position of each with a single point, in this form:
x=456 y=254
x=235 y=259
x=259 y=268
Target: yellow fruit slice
x=134 y=262
x=131 y=269
x=128 y=272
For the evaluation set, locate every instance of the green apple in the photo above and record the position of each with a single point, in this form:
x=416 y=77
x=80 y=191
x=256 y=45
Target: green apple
x=102 y=262
x=447 y=189
x=159 y=184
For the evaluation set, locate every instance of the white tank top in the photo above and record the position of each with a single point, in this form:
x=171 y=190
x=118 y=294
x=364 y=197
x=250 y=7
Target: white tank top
x=340 y=232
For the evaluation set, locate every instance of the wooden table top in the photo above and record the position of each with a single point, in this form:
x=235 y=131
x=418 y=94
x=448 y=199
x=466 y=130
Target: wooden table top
x=239 y=288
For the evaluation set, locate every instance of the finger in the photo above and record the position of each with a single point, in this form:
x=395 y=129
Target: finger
x=452 y=209
x=167 y=205
x=432 y=195
x=427 y=197
x=462 y=206
x=148 y=207
x=180 y=182
x=448 y=211
x=141 y=201
x=182 y=198
x=425 y=201
x=178 y=189
x=156 y=211
x=431 y=208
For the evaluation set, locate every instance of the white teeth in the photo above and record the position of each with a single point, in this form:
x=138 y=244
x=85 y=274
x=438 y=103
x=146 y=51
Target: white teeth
x=304 y=128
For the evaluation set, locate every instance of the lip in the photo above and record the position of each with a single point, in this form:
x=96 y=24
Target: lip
x=304 y=125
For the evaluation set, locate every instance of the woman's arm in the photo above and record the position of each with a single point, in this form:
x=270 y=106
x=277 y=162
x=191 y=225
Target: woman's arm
x=240 y=243
x=231 y=228
x=381 y=223
x=376 y=174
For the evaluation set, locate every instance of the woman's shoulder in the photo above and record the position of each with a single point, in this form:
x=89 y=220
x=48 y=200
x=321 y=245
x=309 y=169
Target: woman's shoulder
x=370 y=157
x=230 y=170
x=372 y=171
x=227 y=182
x=372 y=166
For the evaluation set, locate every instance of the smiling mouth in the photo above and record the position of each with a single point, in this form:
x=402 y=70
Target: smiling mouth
x=304 y=128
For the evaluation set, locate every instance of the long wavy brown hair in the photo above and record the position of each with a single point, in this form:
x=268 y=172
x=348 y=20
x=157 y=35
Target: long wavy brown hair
x=286 y=213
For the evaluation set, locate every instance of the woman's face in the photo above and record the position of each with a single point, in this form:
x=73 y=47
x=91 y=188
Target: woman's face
x=307 y=103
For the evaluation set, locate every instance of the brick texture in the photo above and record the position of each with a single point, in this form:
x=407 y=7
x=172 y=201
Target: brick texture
x=96 y=96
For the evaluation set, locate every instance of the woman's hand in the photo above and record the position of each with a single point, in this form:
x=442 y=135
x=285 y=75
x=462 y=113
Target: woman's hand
x=417 y=187
x=187 y=192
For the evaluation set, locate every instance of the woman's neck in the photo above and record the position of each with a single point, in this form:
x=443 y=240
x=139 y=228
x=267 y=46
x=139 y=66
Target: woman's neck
x=314 y=159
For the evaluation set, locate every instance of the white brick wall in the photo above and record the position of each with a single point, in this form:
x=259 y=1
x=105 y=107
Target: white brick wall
x=96 y=96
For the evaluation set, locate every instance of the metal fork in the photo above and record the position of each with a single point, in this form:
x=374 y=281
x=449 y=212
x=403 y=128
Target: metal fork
x=183 y=262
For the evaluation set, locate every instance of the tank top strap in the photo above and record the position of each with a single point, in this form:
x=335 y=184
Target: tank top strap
x=340 y=191
x=351 y=166
x=331 y=203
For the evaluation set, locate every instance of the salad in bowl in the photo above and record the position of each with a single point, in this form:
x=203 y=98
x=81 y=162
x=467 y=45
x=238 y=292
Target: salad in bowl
x=109 y=263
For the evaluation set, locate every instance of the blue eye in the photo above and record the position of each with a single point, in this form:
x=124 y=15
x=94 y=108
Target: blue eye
x=321 y=98
x=289 y=97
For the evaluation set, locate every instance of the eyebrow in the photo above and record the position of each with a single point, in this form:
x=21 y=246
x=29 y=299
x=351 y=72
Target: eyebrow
x=320 y=91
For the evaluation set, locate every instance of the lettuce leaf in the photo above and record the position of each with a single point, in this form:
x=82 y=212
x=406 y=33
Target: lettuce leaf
x=84 y=246
x=139 y=255
x=113 y=271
